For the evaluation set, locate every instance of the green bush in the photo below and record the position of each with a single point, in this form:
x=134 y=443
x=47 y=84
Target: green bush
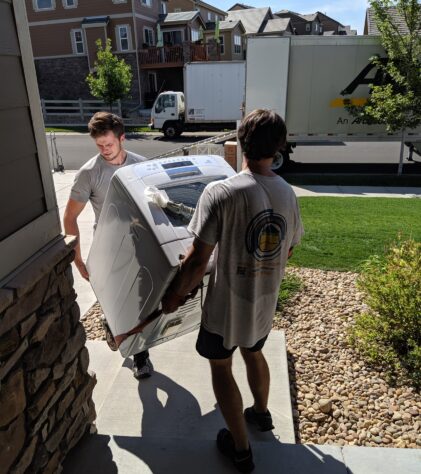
x=389 y=332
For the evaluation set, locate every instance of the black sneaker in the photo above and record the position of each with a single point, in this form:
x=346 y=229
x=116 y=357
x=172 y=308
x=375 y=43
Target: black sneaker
x=262 y=420
x=242 y=460
x=143 y=371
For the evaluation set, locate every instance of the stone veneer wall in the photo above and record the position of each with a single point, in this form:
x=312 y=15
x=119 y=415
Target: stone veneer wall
x=45 y=388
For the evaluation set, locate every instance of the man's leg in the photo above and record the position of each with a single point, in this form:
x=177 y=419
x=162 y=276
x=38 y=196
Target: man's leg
x=258 y=377
x=229 y=399
x=142 y=366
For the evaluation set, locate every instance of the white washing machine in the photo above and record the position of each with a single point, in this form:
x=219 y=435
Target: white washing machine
x=137 y=247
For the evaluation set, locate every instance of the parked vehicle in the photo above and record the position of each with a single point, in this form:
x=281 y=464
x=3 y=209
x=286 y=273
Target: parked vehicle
x=307 y=81
x=213 y=97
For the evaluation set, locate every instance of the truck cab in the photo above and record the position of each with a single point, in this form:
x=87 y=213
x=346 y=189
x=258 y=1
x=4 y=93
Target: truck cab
x=168 y=113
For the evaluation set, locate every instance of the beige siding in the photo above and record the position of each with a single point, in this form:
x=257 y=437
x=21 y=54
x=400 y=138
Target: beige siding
x=19 y=169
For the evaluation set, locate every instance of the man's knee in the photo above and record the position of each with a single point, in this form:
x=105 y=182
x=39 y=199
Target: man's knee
x=251 y=357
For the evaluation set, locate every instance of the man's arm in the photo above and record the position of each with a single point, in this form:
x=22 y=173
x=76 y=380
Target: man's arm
x=193 y=269
x=73 y=209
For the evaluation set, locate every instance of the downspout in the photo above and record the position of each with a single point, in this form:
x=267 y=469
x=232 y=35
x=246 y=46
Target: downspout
x=136 y=51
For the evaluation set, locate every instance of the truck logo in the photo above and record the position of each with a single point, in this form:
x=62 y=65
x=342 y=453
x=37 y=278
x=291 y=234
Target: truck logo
x=361 y=80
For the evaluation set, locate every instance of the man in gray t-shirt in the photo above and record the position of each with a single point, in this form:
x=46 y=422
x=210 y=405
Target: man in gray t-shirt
x=254 y=220
x=91 y=184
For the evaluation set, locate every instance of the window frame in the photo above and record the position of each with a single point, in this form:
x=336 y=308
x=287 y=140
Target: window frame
x=146 y=3
x=151 y=32
x=222 y=45
x=69 y=7
x=75 y=42
x=38 y=9
x=163 y=8
x=237 y=44
x=120 y=39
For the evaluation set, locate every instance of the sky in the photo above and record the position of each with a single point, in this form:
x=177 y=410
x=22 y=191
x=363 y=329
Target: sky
x=347 y=12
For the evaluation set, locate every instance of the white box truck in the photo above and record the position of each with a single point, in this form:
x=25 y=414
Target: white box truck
x=306 y=79
x=213 y=97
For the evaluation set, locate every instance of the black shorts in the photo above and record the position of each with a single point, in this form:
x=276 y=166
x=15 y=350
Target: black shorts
x=211 y=346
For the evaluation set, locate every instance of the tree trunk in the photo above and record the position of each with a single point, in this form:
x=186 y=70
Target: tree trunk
x=400 y=167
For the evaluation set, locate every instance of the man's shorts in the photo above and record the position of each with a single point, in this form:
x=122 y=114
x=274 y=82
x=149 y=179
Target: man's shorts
x=211 y=346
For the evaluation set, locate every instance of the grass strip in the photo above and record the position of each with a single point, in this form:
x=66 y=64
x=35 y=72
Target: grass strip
x=342 y=232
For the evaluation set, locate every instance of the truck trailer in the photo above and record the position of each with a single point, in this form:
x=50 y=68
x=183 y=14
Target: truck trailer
x=213 y=98
x=307 y=81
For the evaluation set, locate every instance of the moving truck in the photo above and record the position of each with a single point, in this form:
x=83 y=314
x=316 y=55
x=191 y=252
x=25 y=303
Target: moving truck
x=306 y=79
x=213 y=97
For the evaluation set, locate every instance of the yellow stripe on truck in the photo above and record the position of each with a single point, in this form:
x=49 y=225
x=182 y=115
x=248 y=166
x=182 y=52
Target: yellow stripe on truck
x=341 y=102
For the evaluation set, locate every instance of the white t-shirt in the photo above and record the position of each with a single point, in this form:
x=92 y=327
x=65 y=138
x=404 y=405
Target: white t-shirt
x=93 y=179
x=255 y=220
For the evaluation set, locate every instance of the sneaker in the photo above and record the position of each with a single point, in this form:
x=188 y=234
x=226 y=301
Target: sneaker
x=242 y=460
x=144 y=371
x=262 y=420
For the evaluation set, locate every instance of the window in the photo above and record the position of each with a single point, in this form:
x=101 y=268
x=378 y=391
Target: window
x=123 y=37
x=77 y=42
x=40 y=5
x=194 y=34
x=237 y=44
x=152 y=82
x=148 y=35
x=221 y=45
x=119 y=1
x=177 y=10
x=164 y=101
x=172 y=37
x=209 y=16
x=163 y=8
x=146 y=3
x=308 y=27
x=70 y=3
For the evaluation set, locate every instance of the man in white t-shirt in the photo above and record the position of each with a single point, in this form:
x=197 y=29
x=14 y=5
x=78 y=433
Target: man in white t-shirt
x=254 y=219
x=91 y=184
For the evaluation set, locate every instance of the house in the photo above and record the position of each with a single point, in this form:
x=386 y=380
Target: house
x=280 y=26
x=253 y=19
x=370 y=27
x=208 y=12
x=64 y=32
x=231 y=39
x=314 y=24
x=155 y=42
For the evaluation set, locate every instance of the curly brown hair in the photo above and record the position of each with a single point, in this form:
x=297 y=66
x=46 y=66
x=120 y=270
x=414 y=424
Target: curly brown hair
x=104 y=122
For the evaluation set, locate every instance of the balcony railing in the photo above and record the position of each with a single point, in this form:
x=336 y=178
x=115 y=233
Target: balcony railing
x=176 y=56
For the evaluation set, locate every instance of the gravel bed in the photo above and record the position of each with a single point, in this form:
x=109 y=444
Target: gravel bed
x=336 y=397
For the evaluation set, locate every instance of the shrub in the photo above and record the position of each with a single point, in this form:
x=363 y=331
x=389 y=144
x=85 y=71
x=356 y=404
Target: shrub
x=389 y=332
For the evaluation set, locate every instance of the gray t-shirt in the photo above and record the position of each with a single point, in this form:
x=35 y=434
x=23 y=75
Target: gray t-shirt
x=92 y=180
x=255 y=220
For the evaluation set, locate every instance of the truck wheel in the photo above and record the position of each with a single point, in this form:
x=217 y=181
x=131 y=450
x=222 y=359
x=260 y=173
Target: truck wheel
x=279 y=162
x=172 y=130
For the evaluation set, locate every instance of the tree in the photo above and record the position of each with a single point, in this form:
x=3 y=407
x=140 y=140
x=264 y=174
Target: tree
x=112 y=77
x=396 y=103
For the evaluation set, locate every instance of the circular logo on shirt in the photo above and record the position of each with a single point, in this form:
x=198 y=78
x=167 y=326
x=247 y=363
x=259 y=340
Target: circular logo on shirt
x=265 y=234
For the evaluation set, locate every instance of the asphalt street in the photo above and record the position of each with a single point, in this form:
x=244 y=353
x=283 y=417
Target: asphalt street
x=76 y=149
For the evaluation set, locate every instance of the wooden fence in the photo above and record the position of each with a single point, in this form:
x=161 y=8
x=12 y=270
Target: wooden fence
x=55 y=111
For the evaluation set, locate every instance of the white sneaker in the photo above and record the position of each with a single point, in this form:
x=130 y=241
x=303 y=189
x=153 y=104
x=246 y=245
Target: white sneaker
x=144 y=371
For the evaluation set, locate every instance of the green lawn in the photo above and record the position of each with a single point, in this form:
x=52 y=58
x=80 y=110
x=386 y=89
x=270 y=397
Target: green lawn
x=341 y=232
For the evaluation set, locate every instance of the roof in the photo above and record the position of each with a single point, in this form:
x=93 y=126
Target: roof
x=277 y=25
x=240 y=5
x=95 y=19
x=289 y=13
x=211 y=7
x=229 y=25
x=310 y=17
x=179 y=17
x=252 y=18
x=371 y=27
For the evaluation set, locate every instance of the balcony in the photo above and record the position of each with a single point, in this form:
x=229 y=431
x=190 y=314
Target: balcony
x=178 y=55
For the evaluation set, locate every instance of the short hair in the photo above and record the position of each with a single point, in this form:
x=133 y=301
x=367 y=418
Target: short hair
x=104 y=122
x=262 y=133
